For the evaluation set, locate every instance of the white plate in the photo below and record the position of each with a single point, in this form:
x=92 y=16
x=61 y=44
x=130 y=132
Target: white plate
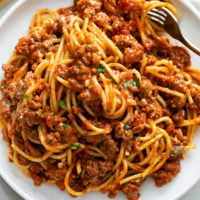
x=14 y=25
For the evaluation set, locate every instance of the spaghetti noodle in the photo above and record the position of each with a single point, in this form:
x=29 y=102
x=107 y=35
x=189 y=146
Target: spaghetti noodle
x=95 y=98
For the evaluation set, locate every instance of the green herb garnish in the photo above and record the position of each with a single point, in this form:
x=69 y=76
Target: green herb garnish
x=26 y=96
x=78 y=64
x=137 y=82
x=93 y=14
x=133 y=83
x=101 y=69
x=89 y=136
x=74 y=147
x=66 y=126
x=79 y=103
x=120 y=136
x=126 y=126
x=62 y=104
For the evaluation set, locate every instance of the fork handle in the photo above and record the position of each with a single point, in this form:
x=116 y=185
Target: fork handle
x=190 y=45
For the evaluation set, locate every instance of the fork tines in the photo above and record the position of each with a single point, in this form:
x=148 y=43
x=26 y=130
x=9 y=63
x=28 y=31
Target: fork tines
x=160 y=15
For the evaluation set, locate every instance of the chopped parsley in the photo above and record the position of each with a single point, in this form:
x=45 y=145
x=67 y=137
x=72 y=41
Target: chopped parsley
x=120 y=136
x=126 y=126
x=93 y=14
x=133 y=83
x=62 y=104
x=89 y=136
x=79 y=103
x=66 y=126
x=74 y=147
x=78 y=64
x=101 y=69
x=26 y=96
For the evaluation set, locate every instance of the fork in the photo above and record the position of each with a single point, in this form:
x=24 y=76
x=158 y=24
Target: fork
x=166 y=20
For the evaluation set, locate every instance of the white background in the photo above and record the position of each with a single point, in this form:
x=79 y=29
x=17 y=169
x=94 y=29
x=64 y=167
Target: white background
x=6 y=193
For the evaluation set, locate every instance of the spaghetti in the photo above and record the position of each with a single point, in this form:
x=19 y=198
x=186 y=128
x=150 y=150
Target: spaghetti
x=95 y=98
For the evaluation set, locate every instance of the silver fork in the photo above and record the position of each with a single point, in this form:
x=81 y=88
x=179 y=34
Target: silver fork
x=165 y=19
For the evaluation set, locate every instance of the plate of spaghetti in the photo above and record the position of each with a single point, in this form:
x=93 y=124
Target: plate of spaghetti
x=96 y=99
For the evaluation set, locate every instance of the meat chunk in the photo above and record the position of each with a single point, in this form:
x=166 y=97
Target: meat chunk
x=179 y=116
x=9 y=70
x=137 y=122
x=175 y=82
x=76 y=74
x=197 y=100
x=36 y=173
x=101 y=19
x=109 y=147
x=153 y=110
x=131 y=190
x=92 y=97
x=146 y=89
x=167 y=172
x=120 y=26
x=160 y=47
x=56 y=173
x=23 y=46
x=96 y=139
x=5 y=109
x=176 y=102
x=89 y=7
x=135 y=5
x=180 y=57
x=89 y=53
x=27 y=117
x=95 y=171
x=133 y=50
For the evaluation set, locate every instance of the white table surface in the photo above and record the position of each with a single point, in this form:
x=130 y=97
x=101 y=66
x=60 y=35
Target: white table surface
x=6 y=193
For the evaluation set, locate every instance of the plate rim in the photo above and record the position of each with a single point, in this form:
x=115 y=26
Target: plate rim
x=14 y=185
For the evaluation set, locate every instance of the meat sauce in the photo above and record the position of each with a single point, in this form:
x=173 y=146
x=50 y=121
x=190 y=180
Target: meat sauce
x=124 y=34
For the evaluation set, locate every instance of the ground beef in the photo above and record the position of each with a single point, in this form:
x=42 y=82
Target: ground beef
x=146 y=89
x=120 y=26
x=89 y=7
x=153 y=110
x=176 y=102
x=137 y=122
x=36 y=171
x=96 y=139
x=76 y=74
x=92 y=97
x=179 y=116
x=23 y=46
x=109 y=147
x=27 y=117
x=95 y=171
x=128 y=5
x=159 y=48
x=9 y=70
x=167 y=172
x=89 y=53
x=131 y=190
x=35 y=45
x=180 y=57
x=69 y=134
x=197 y=100
x=5 y=109
x=133 y=50
x=176 y=82
x=101 y=19
x=6 y=137
x=56 y=173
